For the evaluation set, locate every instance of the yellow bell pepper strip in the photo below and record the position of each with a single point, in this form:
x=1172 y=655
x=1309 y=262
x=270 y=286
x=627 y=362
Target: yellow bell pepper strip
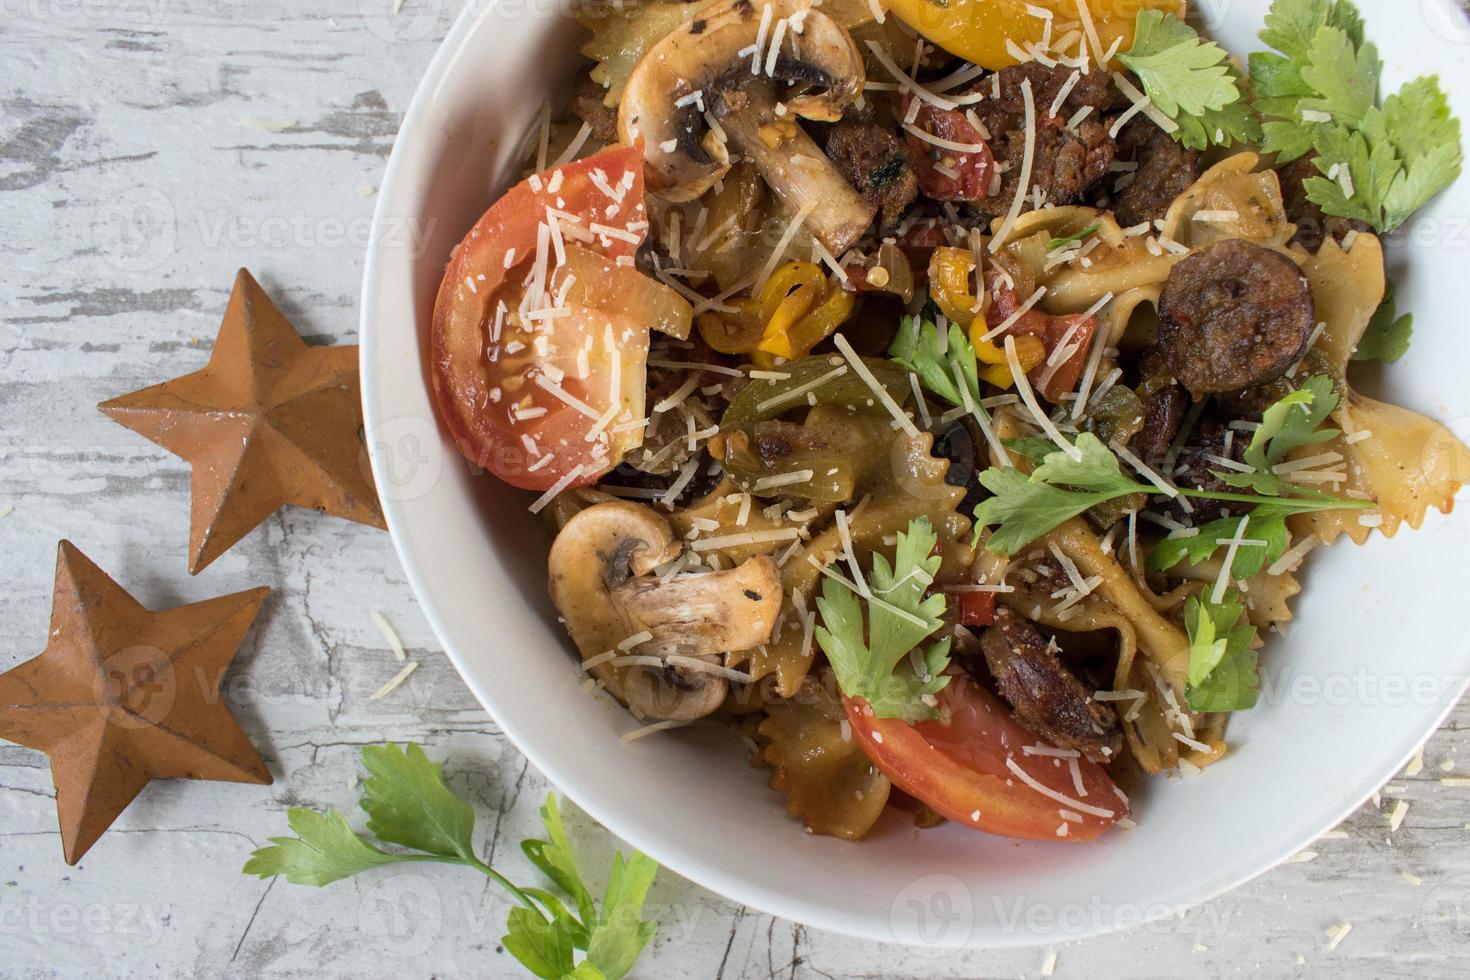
x=1030 y=351
x=799 y=338
x=950 y=271
x=737 y=332
x=802 y=308
x=978 y=30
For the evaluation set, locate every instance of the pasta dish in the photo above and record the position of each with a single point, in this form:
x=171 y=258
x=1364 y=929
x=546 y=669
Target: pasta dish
x=944 y=397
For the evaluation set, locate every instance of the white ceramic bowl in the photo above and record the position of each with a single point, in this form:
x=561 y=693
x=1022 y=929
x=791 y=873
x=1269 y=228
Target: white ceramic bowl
x=1367 y=671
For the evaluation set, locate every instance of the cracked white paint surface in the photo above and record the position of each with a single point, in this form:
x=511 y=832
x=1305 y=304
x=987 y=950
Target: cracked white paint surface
x=147 y=149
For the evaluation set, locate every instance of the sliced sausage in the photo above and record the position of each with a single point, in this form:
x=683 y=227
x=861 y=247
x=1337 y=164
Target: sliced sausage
x=1233 y=315
x=1045 y=696
x=1166 y=169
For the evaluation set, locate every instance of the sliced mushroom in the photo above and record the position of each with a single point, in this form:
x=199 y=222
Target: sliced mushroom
x=599 y=570
x=713 y=64
x=1047 y=699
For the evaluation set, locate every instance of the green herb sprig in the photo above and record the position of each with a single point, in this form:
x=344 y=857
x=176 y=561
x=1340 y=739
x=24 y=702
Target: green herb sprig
x=1222 y=665
x=1319 y=93
x=409 y=804
x=874 y=664
x=1191 y=81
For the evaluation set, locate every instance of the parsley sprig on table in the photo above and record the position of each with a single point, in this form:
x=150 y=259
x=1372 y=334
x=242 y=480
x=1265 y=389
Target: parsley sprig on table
x=1191 y=81
x=1319 y=92
x=1222 y=665
x=409 y=804
x=876 y=665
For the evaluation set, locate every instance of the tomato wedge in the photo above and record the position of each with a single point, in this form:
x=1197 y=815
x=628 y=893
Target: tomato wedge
x=532 y=389
x=961 y=767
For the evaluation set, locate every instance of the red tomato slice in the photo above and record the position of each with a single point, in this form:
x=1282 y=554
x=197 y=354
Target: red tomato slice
x=969 y=173
x=1053 y=330
x=958 y=766
x=528 y=403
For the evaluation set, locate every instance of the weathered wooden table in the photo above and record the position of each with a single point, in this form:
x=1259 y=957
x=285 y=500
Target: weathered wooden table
x=150 y=147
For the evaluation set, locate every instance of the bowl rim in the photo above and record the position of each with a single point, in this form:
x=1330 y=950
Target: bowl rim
x=746 y=891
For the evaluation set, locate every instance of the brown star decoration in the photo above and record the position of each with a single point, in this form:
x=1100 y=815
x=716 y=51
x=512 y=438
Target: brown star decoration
x=268 y=421
x=122 y=695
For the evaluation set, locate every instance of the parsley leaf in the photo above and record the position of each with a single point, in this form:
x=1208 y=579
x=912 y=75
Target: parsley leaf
x=1022 y=508
x=936 y=359
x=1345 y=75
x=899 y=619
x=544 y=948
x=1387 y=336
x=1291 y=422
x=408 y=803
x=1179 y=71
x=1267 y=523
x=1191 y=81
x=324 y=849
x=1319 y=91
x=1222 y=666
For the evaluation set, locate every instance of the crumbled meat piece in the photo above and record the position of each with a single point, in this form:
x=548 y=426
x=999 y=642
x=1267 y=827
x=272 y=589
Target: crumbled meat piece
x=1164 y=404
x=875 y=162
x=1045 y=696
x=1066 y=162
x=1166 y=169
x=1195 y=469
x=1233 y=315
x=587 y=103
x=1313 y=226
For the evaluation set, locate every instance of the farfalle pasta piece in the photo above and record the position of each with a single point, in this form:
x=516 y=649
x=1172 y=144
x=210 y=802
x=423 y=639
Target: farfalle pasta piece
x=1236 y=198
x=901 y=483
x=1116 y=264
x=623 y=31
x=1399 y=459
x=829 y=781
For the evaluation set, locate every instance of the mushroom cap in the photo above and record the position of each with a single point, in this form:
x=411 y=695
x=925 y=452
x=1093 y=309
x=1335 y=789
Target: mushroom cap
x=598 y=569
x=715 y=53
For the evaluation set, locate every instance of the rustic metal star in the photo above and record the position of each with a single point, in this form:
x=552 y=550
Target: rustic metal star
x=269 y=421
x=122 y=695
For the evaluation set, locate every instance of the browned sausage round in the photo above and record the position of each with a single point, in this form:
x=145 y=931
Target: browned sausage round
x=1234 y=315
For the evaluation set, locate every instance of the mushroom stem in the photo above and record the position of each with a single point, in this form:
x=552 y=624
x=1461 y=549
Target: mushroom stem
x=795 y=167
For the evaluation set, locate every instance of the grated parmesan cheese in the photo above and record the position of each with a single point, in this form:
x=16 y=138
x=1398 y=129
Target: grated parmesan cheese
x=394 y=643
x=395 y=683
